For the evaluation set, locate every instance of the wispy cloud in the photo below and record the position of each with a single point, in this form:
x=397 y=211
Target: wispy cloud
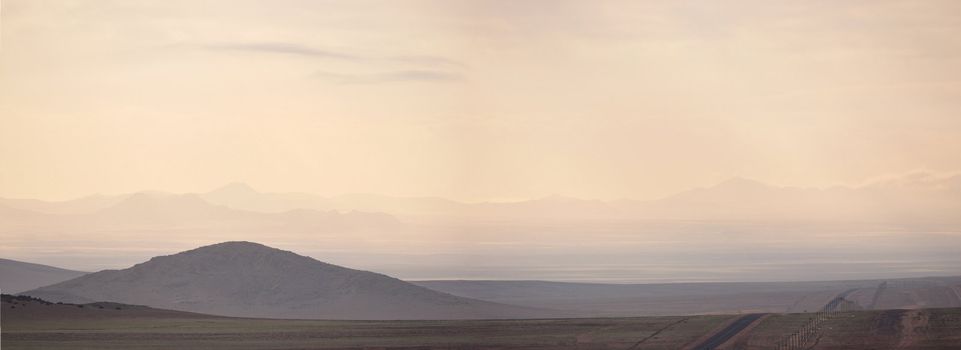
x=285 y=48
x=427 y=76
x=427 y=68
x=426 y=60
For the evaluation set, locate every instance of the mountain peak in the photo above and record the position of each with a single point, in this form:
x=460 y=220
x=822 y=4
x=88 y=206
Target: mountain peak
x=249 y=279
x=236 y=256
x=167 y=209
x=234 y=245
x=236 y=248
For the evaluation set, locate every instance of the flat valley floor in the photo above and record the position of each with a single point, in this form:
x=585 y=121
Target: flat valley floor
x=35 y=325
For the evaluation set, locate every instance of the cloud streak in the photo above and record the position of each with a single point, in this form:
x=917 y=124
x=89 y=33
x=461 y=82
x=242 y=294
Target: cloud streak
x=426 y=60
x=415 y=75
x=287 y=48
x=432 y=74
x=283 y=48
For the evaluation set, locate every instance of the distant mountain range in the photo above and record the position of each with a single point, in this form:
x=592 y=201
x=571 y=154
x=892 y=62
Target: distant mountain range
x=251 y=280
x=919 y=198
x=738 y=230
x=155 y=210
x=915 y=199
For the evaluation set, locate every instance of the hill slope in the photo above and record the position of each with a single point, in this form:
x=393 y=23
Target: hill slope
x=18 y=276
x=251 y=280
x=24 y=309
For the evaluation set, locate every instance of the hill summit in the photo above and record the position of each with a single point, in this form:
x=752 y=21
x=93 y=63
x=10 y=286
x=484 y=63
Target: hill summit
x=252 y=280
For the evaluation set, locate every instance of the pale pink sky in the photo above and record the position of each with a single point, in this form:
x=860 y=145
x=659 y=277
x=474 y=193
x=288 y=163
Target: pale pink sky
x=473 y=100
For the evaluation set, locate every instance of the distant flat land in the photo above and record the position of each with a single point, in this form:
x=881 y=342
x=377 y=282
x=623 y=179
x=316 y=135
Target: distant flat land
x=620 y=300
x=30 y=324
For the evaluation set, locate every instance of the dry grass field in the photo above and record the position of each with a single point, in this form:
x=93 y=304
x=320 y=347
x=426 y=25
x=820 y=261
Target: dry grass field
x=31 y=324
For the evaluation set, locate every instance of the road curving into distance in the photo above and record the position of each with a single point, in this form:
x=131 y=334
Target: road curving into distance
x=728 y=332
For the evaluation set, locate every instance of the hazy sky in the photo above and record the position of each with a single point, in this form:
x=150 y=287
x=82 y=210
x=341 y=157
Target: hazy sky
x=473 y=100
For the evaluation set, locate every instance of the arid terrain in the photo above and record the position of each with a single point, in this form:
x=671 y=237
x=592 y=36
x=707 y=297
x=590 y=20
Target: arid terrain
x=247 y=279
x=480 y=174
x=244 y=295
x=33 y=324
x=666 y=299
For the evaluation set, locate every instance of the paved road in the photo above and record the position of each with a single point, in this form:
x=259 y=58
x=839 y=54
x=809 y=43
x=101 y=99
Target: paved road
x=956 y=293
x=877 y=294
x=728 y=332
x=834 y=303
